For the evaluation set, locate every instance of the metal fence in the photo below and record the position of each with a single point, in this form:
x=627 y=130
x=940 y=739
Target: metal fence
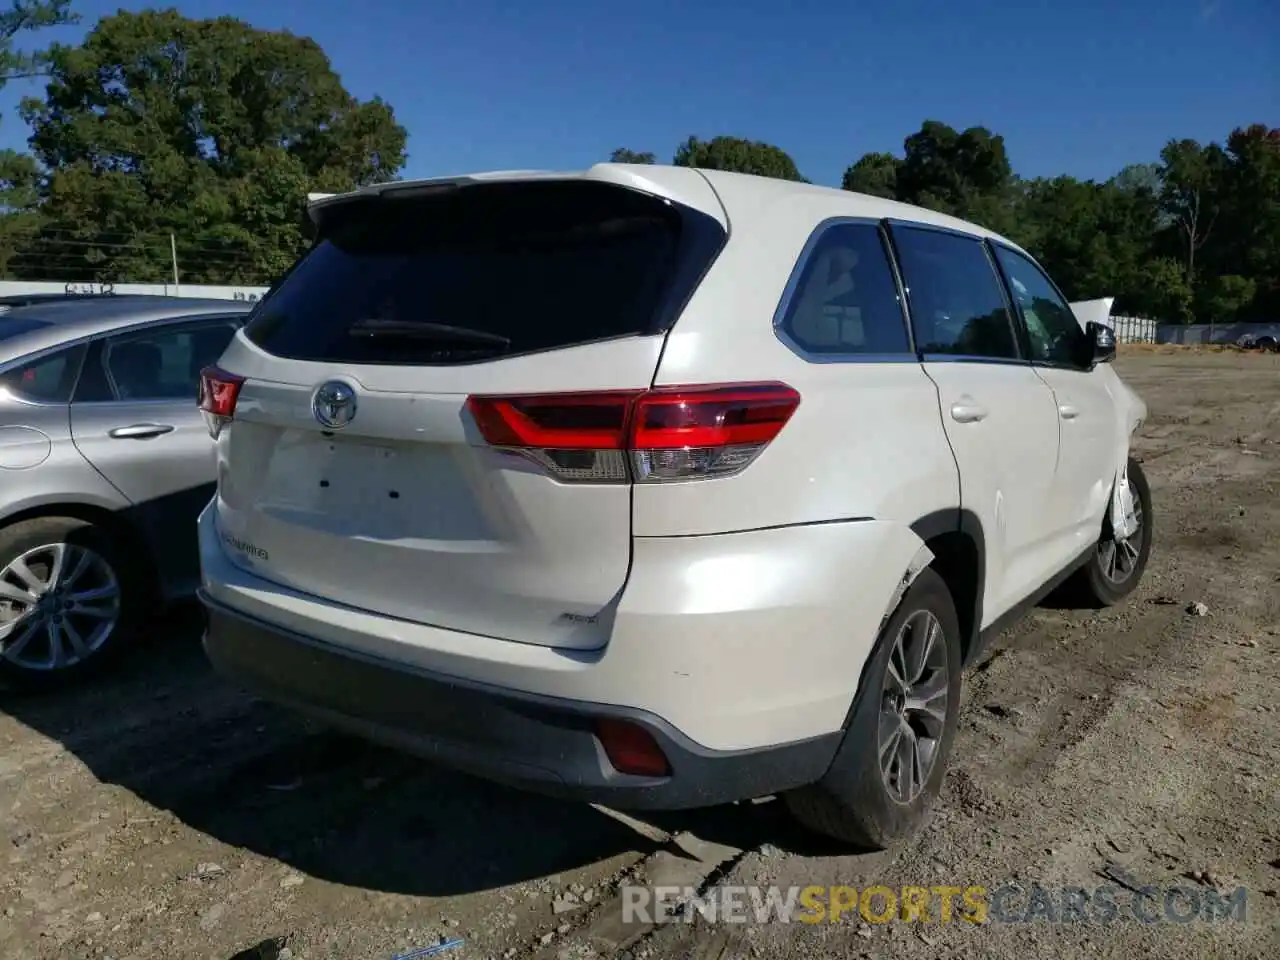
x=1135 y=329
x=1214 y=332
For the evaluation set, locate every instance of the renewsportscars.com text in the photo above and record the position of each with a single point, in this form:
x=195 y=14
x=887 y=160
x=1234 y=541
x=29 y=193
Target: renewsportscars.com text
x=1006 y=903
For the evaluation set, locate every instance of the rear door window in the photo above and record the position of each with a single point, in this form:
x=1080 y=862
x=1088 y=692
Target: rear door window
x=477 y=273
x=165 y=364
x=958 y=305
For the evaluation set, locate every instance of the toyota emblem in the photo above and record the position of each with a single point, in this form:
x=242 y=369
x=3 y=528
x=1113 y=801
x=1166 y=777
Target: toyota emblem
x=334 y=405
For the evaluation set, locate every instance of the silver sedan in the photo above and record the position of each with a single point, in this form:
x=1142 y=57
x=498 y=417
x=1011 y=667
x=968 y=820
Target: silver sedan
x=105 y=462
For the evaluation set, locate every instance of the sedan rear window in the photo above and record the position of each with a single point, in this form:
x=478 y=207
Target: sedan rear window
x=47 y=379
x=481 y=272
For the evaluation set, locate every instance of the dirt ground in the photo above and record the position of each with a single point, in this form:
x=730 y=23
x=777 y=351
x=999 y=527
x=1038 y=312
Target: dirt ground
x=162 y=814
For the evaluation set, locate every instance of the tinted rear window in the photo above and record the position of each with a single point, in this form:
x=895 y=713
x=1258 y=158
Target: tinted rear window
x=443 y=279
x=47 y=379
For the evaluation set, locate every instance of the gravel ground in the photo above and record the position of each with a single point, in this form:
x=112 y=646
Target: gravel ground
x=160 y=813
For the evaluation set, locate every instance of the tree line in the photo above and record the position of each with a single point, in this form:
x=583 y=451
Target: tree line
x=161 y=134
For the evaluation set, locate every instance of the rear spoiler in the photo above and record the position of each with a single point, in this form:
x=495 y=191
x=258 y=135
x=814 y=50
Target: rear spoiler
x=1097 y=311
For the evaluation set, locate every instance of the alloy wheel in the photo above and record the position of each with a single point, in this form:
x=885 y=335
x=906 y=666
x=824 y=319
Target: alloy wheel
x=1118 y=557
x=913 y=708
x=59 y=603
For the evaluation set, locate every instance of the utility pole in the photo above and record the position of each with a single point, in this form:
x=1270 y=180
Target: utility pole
x=173 y=250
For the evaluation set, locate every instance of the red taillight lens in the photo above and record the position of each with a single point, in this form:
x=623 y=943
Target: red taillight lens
x=631 y=749
x=219 y=391
x=670 y=419
x=562 y=421
x=669 y=433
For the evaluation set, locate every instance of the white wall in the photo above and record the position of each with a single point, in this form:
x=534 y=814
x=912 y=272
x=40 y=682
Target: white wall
x=10 y=288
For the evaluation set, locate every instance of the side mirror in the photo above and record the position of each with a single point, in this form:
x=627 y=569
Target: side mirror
x=1102 y=342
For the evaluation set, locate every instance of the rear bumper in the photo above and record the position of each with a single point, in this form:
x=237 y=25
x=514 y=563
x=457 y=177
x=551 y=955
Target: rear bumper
x=539 y=743
x=740 y=641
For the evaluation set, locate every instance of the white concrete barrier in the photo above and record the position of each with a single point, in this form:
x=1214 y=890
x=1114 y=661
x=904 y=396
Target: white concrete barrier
x=10 y=288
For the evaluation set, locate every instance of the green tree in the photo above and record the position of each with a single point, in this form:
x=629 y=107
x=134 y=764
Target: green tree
x=1141 y=178
x=24 y=16
x=962 y=174
x=1220 y=299
x=20 y=218
x=1246 y=242
x=211 y=130
x=954 y=172
x=19 y=175
x=1094 y=238
x=623 y=155
x=875 y=174
x=1168 y=290
x=1191 y=177
x=738 y=155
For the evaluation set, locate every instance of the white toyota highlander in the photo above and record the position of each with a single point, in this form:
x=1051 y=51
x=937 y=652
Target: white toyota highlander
x=659 y=487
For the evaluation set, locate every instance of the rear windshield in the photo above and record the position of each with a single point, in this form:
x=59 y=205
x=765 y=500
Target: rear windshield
x=16 y=326
x=476 y=273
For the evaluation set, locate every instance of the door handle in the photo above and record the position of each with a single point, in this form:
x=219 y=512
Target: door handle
x=140 y=431
x=967 y=412
x=1067 y=411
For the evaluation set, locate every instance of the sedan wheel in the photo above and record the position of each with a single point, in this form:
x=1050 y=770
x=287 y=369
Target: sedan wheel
x=63 y=603
x=68 y=600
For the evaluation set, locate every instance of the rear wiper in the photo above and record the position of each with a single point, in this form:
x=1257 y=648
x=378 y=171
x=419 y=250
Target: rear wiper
x=425 y=330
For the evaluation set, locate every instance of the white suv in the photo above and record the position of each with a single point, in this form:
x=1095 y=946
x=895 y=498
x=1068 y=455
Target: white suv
x=659 y=487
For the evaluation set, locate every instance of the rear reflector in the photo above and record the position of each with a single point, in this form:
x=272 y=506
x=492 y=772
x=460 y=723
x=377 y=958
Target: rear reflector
x=219 y=391
x=631 y=749
x=668 y=433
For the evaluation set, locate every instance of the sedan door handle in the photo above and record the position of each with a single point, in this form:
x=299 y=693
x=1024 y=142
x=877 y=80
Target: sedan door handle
x=968 y=412
x=140 y=431
x=1067 y=411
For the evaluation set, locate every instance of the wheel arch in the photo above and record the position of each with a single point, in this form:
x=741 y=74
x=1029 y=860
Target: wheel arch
x=956 y=539
x=114 y=522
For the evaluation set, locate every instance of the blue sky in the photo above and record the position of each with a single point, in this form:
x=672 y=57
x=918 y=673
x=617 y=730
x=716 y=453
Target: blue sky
x=1081 y=88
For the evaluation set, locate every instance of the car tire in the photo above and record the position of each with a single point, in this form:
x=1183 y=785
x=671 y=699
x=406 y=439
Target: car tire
x=103 y=605
x=855 y=801
x=1094 y=583
x=1267 y=344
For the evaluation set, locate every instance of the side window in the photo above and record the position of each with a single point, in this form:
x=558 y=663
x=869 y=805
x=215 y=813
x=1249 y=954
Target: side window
x=50 y=379
x=846 y=300
x=1054 y=335
x=165 y=364
x=957 y=304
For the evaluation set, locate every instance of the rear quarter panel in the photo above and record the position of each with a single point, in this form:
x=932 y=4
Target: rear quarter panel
x=40 y=467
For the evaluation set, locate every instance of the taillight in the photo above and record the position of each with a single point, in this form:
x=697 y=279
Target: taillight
x=668 y=433
x=219 y=391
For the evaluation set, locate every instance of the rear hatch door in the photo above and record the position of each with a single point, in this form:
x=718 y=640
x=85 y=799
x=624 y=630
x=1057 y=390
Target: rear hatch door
x=354 y=470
